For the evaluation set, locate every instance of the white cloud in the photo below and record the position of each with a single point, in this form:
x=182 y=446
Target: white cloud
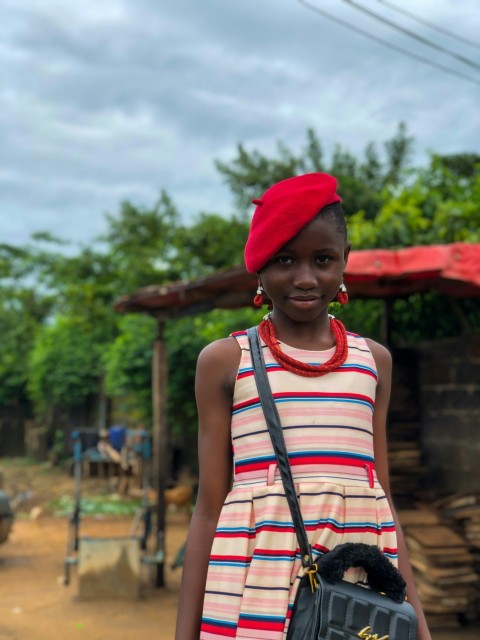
x=112 y=101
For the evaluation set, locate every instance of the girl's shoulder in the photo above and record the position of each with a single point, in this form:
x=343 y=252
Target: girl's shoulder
x=378 y=350
x=219 y=361
x=382 y=357
x=218 y=350
x=241 y=337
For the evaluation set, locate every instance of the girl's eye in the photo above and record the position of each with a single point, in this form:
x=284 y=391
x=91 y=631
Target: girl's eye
x=323 y=259
x=283 y=259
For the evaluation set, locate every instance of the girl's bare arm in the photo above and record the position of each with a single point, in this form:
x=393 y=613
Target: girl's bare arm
x=383 y=361
x=216 y=370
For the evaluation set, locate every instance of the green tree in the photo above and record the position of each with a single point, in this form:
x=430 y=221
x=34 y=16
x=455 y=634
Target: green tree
x=64 y=366
x=361 y=181
x=141 y=244
x=67 y=364
x=128 y=361
x=185 y=338
x=128 y=364
x=210 y=243
x=21 y=313
x=22 y=310
x=398 y=150
x=439 y=207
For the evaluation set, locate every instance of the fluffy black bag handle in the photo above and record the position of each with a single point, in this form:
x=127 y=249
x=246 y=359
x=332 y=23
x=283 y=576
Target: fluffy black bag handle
x=382 y=575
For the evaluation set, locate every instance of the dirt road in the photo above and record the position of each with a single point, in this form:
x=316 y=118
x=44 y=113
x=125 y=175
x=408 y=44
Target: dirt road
x=35 y=605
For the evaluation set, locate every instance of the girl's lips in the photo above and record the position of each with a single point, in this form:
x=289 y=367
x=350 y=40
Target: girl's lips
x=303 y=302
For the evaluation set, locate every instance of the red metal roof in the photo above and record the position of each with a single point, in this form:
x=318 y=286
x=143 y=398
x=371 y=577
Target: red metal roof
x=453 y=269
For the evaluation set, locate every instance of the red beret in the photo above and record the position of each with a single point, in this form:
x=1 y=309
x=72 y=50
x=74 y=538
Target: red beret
x=283 y=210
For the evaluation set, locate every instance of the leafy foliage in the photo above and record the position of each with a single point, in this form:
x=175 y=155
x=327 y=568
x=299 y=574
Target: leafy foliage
x=20 y=315
x=142 y=244
x=64 y=365
x=105 y=505
x=209 y=244
x=360 y=181
x=128 y=363
x=186 y=338
x=437 y=208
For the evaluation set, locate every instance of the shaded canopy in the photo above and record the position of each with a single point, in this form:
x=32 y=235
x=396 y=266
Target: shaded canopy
x=453 y=269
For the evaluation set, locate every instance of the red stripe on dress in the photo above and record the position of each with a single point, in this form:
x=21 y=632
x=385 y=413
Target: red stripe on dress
x=218 y=630
x=275 y=552
x=235 y=534
x=300 y=395
x=231 y=558
x=259 y=625
x=344 y=369
x=263 y=465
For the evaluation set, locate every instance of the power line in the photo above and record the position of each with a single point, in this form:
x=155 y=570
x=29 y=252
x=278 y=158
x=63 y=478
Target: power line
x=437 y=27
x=412 y=34
x=369 y=35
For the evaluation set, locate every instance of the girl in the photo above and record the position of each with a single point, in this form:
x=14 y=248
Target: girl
x=332 y=388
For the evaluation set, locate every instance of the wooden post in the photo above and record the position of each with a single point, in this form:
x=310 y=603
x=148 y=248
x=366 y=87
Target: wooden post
x=160 y=440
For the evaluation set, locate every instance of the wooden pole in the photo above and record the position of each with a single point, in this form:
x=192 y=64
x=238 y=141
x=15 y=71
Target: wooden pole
x=160 y=441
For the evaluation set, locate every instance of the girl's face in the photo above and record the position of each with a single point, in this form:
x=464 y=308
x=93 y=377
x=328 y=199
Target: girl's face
x=304 y=276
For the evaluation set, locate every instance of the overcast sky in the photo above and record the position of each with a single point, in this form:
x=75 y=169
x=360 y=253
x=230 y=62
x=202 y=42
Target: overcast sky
x=102 y=101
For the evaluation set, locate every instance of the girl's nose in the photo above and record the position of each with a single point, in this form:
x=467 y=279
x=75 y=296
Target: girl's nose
x=305 y=277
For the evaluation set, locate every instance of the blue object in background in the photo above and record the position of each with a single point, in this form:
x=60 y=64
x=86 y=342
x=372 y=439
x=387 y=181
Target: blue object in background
x=117 y=435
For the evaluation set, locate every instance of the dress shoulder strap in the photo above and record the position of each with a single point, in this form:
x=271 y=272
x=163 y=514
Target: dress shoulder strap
x=242 y=338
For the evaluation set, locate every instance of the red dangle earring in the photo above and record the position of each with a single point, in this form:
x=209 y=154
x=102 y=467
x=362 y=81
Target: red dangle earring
x=259 y=300
x=342 y=295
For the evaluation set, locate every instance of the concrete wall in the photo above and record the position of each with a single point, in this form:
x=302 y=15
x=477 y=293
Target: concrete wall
x=449 y=379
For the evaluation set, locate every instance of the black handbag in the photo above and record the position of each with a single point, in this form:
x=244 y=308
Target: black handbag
x=327 y=607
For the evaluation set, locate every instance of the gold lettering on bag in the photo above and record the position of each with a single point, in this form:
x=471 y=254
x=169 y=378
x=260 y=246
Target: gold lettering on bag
x=367 y=634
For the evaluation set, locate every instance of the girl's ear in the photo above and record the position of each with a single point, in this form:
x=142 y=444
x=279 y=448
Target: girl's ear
x=346 y=252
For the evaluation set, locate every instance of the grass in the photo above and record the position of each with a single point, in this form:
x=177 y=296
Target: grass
x=111 y=505
x=17 y=463
x=53 y=489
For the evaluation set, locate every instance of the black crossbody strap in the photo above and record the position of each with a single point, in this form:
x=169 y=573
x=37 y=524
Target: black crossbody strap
x=276 y=434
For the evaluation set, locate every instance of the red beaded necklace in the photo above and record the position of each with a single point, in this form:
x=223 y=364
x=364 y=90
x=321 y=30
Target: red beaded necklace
x=268 y=335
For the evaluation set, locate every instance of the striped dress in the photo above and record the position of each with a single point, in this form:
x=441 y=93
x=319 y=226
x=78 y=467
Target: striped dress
x=255 y=564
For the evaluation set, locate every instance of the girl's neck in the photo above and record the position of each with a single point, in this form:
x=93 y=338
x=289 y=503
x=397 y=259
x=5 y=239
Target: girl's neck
x=315 y=335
